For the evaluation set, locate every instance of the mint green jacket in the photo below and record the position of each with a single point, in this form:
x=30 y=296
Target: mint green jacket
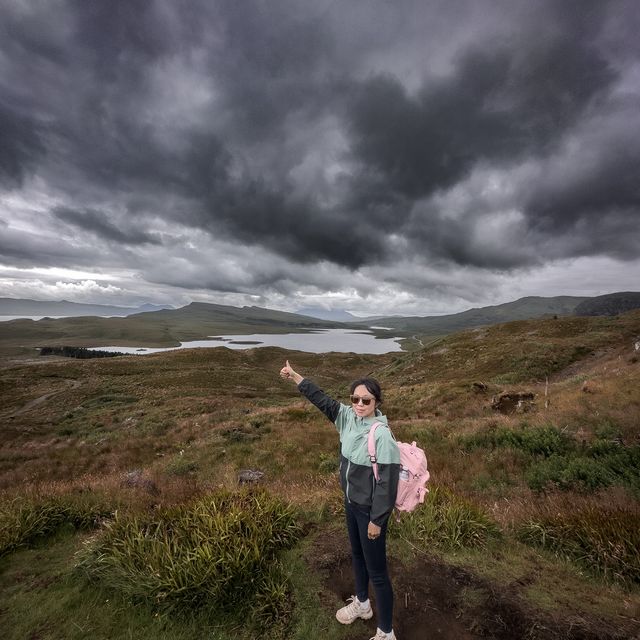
x=356 y=470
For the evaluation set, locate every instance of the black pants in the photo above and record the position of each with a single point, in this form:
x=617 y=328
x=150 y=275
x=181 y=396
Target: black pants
x=369 y=559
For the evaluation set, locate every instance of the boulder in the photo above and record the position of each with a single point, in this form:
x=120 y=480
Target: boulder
x=513 y=402
x=589 y=386
x=136 y=480
x=250 y=476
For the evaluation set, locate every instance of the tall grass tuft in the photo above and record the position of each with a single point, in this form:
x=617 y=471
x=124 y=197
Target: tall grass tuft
x=446 y=521
x=605 y=542
x=26 y=520
x=217 y=554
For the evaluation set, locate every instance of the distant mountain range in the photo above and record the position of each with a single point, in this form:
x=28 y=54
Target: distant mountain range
x=527 y=308
x=257 y=317
x=335 y=315
x=144 y=326
x=25 y=307
x=522 y=309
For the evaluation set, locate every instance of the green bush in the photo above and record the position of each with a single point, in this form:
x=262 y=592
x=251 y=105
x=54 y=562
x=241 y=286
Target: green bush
x=328 y=463
x=447 y=521
x=542 y=441
x=217 y=554
x=623 y=463
x=607 y=429
x=601 y=448
x=606 y=542
x=557 y=460
x=294 y=413
x=568 y=473
x=604 y=464
x=181 y=466
x=25 y=520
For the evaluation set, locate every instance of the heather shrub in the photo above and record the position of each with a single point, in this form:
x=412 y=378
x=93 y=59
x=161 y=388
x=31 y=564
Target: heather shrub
x=623 y=463
x=557 y=461
x=328 y=463
x=181 y=466
x=583 y=474
x=540 y=441
x=602 y=464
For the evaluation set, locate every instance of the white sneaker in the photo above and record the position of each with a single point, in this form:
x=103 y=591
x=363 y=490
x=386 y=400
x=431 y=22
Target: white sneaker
x=381 y=635
x=354 y=610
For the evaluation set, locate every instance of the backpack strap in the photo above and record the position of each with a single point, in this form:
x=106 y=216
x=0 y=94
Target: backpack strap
x=371 y=448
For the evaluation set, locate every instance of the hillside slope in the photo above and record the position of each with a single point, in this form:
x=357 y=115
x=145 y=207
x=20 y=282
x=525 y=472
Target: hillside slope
x=522 y=309
x=609 y=305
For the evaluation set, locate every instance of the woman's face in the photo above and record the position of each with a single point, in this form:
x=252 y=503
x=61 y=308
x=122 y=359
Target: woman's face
x=361 y=410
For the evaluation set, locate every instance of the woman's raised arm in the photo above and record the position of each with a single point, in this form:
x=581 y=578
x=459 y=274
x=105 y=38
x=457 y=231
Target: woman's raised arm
x=326 y=404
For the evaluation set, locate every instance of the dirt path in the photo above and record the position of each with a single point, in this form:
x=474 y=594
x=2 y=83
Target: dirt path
x=436 y=601
x=32 y=404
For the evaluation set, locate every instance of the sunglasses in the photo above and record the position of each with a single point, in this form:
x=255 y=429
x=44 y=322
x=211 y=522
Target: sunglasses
x=365 y=401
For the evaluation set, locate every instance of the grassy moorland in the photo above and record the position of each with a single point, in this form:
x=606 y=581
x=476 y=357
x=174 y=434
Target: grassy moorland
x=121 y=515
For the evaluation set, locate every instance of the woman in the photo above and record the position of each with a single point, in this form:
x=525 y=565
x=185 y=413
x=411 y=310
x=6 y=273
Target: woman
x=368 y=503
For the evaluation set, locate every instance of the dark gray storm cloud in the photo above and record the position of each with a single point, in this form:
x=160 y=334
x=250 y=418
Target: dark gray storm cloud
x=21 y=146
x=497 y=105
x=98 y=223
x=318 y=131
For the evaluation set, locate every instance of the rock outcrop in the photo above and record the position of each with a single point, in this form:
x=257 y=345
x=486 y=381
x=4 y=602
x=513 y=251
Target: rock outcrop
x=513 y=402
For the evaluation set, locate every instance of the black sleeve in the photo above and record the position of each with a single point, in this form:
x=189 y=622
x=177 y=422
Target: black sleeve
x=320 y=399
x=384 y=496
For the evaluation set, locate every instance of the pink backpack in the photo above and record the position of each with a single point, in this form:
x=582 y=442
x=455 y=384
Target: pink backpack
x=413 y=472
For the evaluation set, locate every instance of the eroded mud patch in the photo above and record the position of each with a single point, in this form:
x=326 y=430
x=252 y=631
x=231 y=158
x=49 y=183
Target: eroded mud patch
x=441 y=602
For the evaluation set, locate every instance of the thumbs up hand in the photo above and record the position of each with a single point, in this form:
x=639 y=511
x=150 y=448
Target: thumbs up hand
x=287 y=373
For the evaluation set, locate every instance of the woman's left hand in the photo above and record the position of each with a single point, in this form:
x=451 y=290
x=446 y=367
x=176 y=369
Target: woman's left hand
x=373 y=531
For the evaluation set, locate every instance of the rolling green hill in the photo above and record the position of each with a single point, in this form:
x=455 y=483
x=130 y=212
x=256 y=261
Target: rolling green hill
x=200 y=312
x=165 y=328
x=522 y=309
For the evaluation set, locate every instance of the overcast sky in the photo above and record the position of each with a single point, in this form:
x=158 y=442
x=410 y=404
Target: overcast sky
x=378 y=156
